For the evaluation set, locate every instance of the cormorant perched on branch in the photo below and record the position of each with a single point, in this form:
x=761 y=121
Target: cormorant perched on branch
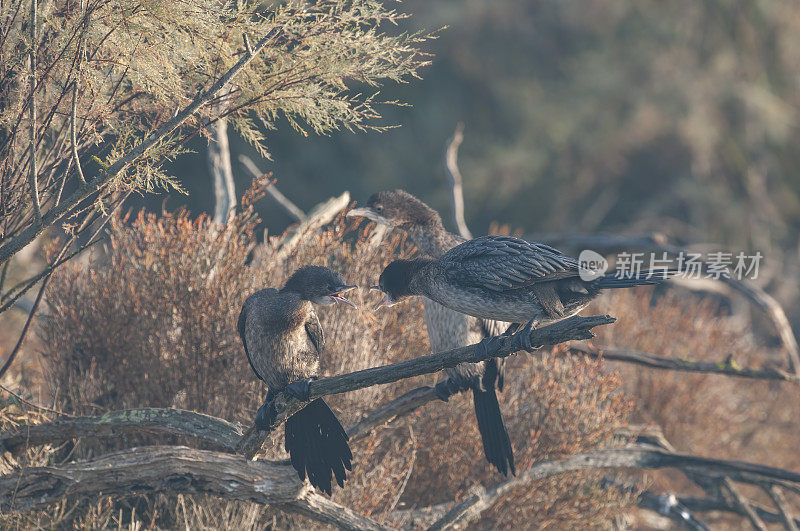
x=501 y=277
x=283 y=340
x=448 y=329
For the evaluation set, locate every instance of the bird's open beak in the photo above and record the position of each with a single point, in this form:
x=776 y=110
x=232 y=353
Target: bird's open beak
x=364 y=212
x=337 y=296
x=385 y=301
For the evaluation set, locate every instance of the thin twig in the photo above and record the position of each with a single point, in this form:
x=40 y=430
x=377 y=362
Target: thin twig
x=33 y=177
x=24 y=333
x=776 y=494
x=35 y=406
x=454 y=181
x=413 y=460
x=293 y=210
x=73 y=133
x=728 y=367
x=743 y=504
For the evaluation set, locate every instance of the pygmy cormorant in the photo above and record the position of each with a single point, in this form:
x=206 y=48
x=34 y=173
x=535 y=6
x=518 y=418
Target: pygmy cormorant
x=283 y=340
x=505 y=278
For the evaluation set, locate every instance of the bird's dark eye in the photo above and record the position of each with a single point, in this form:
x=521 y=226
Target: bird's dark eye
x=378 y=208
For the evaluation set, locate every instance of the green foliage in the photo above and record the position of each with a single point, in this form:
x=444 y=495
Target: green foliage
x=135 y=64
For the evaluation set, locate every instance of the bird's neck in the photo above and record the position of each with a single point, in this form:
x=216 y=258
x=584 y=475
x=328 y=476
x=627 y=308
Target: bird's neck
x=433 y=239
x=415 y=277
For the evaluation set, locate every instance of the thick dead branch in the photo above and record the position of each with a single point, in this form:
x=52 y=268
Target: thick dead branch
x=576 y=327
x=208 y=429
x=631 y=457
x=293 y=210
x=177 y=470
x=26 y=236
x=728 y=367
x=402 y=405
x=454 y=181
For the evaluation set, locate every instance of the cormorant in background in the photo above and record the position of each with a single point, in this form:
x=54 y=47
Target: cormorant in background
x=449 y=329
x=283 y=340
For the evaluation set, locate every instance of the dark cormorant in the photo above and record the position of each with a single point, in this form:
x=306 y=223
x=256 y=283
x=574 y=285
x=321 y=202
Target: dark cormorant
x=283 y=340
x=505 y=278
x=448 y=329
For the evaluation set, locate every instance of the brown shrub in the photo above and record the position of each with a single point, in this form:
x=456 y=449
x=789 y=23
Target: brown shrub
x=154 y=325
x=704 y=414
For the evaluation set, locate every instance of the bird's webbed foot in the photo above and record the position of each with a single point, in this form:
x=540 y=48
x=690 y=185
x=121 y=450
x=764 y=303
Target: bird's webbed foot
x=301 y=389
x=522 y=337
x=266 y=414
x=512 y=328
x=447 y=388
x=488 y=345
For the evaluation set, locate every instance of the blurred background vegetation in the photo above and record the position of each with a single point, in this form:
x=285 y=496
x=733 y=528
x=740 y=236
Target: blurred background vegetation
x=619 y=116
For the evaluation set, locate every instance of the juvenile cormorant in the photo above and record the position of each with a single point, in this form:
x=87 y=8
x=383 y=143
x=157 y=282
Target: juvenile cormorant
x=448 y=329
x=283 y=340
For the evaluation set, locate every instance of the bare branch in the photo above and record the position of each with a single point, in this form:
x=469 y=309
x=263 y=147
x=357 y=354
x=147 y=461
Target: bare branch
x=24 y=333
x=773 y=309
x=744 y=505
x=322 y=214
x=205 y=428
x=33 y=177
x=714 y=504
x=293 y=210
x=454 y=181
x=776 y=494
x=575 y=327
x=403 y=405
x=631 y=457
x=728 y=367
x=179 y=470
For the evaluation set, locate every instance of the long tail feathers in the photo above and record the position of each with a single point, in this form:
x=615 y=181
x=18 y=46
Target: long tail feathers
x=496 y=444
x=317 y=446
x=642 y=278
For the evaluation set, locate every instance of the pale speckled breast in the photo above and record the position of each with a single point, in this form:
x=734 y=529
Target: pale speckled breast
x=447 y=330
x=280 y=350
